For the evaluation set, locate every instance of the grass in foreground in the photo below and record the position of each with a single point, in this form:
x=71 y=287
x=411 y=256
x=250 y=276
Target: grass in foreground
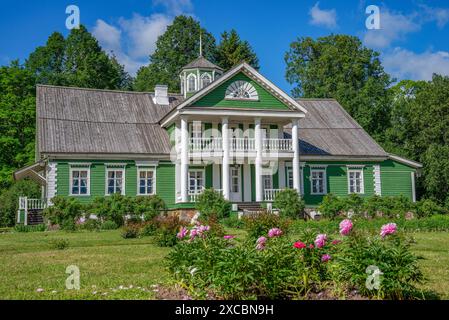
x=106 y=261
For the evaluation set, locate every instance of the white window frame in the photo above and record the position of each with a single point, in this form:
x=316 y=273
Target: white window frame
x=324 y=172
x=289 y=172
x=238 y=185
x=116 y=168
x=203 y=76
x=198 y=188
x=362 y=180
x=79 y=167
x=143 y=169
x=193 y=129
x=267 y=177
x=188 y=83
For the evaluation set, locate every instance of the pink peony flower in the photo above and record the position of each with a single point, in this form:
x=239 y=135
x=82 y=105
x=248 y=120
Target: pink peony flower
x=345 y=227
x=182 y=233
x=299 y=245
x=320 y=240
x=387 y=229
x=261 y=242
x=336 y=241
x=311 y=246
x=193 y=233
x=228 y=237
x=275 y=232
x=325 y=258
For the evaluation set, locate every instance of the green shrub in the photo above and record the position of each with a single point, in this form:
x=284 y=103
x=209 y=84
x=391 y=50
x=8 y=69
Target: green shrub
x=216 y=229
x=331 y=206
x=289 y=204
x=211 y=202
x=167 y=229
x=149 y=206
x=59 y=244
x=372 y=206
x=130 y=231
x=109 y=225
x=113 y=208
x=90 y=225
x=354 y=202
x=427 y=208
x=232 y=222
x=393 y=257
x=258 y=224
x=35 y=228
x=64 y=212
x=148 y=229
x=9 y=200
x=395 y=207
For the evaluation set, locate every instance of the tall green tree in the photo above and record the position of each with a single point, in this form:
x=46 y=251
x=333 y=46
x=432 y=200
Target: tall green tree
x=340 y=67
x=232 y=50
x=177 y=47
x=77 y=61
x=419 y=130
x=17 y=120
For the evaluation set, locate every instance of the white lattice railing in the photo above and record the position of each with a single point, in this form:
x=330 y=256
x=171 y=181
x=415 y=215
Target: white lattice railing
x=277 y=145
x=270 y=194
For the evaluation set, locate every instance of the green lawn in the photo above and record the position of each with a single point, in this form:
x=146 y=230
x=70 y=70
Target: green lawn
x=109 y=265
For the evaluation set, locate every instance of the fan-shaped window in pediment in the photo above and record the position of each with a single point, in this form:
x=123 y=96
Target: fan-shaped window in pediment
x=242 y=90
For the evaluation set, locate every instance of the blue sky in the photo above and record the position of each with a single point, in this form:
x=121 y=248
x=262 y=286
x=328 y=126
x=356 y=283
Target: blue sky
x=413 y=39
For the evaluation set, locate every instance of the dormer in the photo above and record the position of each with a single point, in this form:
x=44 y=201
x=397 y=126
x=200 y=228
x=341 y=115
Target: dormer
x=197 y=75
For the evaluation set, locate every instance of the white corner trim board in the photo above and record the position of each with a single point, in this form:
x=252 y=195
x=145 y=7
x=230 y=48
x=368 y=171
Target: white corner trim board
x=52 y=175
x=377 y=180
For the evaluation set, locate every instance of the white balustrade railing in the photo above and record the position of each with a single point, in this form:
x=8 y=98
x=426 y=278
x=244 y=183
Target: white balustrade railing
x=239 y=144
x=270 y=194
x=37 y=204
x=242 y=144
x=277 y=145
x=206 y=144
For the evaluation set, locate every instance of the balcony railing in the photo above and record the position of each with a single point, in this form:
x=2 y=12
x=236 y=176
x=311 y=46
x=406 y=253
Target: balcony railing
x=270 y=194
x=193 y=195
x=277 y=145
x=239 y=144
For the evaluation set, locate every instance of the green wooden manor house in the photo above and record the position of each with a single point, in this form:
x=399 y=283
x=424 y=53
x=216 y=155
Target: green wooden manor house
x=233 y=131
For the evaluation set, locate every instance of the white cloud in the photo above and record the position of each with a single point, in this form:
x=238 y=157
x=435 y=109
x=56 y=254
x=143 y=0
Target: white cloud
x=393 y=27
x=320 y=17
x=404 y=64
x=133 y=40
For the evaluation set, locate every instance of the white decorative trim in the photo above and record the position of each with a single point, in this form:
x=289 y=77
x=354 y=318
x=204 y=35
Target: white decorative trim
x=412 y=175
x=147 y=163
x=241 y=90
x=115 y=165
x=188 y=83
x=377 y=180
x=355 y=166
x=52 y=181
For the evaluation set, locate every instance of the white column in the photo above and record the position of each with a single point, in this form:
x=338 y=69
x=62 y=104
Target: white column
x=184 y=159
x=413 y=186
x=225 y=166
x=295 y=164
x=258 y=162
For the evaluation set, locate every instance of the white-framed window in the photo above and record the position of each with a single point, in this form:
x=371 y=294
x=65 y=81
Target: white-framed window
x=80 y=181
x=206 y=79
x=267 y=181
x=146 y=181
x=196 y=181
x=115 y=180
x=318 y=181
x=241 y=90
x=235 y=179
x=191 y=83
x=290 y=178
x=196 y=129
x=355 y=181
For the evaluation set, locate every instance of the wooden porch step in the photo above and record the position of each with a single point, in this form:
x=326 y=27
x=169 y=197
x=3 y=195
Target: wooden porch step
x=249 y=207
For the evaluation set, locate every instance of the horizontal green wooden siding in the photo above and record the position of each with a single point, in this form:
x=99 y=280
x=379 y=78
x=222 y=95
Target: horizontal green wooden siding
x=396 y=179
x=216 y=98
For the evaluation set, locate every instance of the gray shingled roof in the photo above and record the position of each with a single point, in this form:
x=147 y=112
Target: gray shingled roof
x=201 y=62
x=328 y=129
x=74 y=120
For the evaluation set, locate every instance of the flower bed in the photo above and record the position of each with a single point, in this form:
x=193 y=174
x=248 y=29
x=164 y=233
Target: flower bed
x=277 y=266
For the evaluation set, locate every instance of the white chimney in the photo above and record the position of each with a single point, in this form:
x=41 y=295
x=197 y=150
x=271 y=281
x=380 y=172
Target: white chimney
x=161 y=95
